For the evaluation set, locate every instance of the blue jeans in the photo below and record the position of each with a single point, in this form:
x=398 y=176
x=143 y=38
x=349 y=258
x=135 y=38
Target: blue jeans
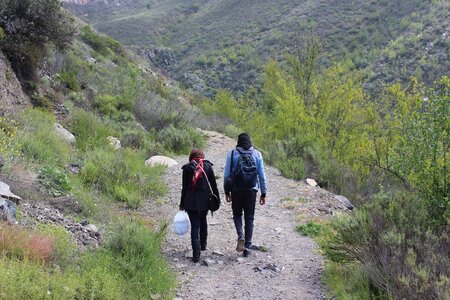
x=244 y=201
x=199 y=225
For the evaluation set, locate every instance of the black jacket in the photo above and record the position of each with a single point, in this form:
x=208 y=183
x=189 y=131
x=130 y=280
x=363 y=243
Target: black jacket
x=197 y=199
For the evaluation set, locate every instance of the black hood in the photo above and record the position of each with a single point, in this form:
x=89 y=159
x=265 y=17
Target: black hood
x=244 y=141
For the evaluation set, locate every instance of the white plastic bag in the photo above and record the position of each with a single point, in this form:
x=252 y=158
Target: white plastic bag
x=181 y=223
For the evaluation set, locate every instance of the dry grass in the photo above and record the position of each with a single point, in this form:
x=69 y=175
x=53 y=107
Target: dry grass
x=21 y=243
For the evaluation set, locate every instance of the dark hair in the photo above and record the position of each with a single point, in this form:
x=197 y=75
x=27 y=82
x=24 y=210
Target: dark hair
x=196 y=153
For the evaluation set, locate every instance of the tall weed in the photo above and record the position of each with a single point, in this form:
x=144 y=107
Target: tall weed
x=38 y=139
x=136 y=257
x=122 y=175
x=89 y=130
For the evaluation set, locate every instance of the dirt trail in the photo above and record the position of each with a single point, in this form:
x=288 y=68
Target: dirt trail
x=290 y=269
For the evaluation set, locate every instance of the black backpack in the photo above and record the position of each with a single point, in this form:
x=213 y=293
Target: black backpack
x=246 y=173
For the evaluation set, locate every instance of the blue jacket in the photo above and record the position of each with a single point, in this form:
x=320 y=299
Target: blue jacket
x=261 y=183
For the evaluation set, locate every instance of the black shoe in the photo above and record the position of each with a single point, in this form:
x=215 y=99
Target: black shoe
x=254 y=247
x=247 y=252
x=195 y=250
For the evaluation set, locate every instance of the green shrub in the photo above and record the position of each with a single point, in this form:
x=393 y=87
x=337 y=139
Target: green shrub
x=180 y=140
x=54 y=180
x=89 y=130
x=292 y=167
x=36 y=25
x=38 y=139
x=2 y=34
x=122 y=175
x=103 y=44
x=390 y=237
x=113 y=105
x=135 y=256
x=42 y=102
x=69 y=80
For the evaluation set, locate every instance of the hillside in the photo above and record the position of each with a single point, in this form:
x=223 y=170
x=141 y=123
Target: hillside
x=215 y=44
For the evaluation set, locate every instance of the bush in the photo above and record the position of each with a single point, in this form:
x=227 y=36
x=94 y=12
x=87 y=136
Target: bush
x=122 y=175
x=402 y=257
x=103 y=44
x=180 y=140
x=29 y=27
x=135 y=255
x=38 y=138
x=89 y=130
x=292 y=167
x=54 y=180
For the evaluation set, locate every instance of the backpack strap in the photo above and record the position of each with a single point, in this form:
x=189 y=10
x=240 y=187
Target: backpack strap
x=231 y=162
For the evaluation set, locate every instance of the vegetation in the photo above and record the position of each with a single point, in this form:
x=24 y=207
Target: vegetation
x=94 y=89
x=28 y=27
x=388 y=154
x=389 y=40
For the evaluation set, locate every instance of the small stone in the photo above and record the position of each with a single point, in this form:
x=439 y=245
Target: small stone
x=240 y=260
x=215 y=252
x=311 y=182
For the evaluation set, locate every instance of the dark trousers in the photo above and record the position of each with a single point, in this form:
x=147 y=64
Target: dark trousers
x=244 y=201
x=199 y=225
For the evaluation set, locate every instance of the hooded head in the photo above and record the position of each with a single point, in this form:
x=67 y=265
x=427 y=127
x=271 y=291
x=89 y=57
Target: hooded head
x=244 y=141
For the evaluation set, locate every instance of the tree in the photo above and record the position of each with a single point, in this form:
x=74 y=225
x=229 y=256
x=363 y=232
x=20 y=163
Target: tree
x=29 y=27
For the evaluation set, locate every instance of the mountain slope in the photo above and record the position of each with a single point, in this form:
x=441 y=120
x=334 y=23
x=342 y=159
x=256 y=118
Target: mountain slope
x=223 y=44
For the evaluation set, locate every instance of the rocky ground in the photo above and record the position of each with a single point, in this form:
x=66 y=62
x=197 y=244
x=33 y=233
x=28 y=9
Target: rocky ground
x=291 y=266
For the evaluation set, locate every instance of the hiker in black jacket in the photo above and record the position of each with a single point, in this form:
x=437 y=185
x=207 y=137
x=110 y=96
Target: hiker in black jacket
x=195 y=198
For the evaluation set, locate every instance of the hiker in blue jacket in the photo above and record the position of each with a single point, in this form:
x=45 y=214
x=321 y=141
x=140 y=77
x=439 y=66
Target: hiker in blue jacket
x=244 y=175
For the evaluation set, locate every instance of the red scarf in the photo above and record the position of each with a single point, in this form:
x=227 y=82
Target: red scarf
x=197 y=172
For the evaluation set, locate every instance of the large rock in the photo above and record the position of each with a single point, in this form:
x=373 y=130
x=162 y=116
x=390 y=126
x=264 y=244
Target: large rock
x=12 y=97
x=345 y=202
x=7 y=210
x=1 y=161
x=64 y=134
x=161 y=160
x=5 y=192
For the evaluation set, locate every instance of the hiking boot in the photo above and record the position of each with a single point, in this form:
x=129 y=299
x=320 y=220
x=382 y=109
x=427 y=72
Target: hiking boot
x=240 y=246
x=247 y=252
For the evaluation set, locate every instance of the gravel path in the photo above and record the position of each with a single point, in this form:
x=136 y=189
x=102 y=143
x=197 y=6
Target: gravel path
x=289 y=269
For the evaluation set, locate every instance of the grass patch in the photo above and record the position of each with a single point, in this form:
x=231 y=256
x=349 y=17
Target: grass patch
x=122 y=175
x=310 y=229
x=38 y=139
x=133 y=255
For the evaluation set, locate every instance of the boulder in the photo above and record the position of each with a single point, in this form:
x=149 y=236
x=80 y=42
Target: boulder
x=161 y=160
x=114 y=142
x=345 y=202
x=1 y=161
x=7 y=210
x=64 y=133
x=5 y=192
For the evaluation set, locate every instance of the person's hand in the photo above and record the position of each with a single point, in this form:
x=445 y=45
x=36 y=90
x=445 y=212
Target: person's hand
x=228 y=197
x=262 y=200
